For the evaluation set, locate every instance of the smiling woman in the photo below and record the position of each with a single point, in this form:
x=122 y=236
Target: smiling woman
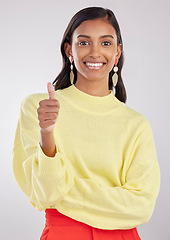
x=79 y=152
x=96 y=33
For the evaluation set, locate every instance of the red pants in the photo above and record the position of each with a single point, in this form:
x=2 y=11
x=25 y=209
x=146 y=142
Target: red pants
x=61 y=227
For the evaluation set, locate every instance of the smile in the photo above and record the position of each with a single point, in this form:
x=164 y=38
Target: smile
x=94 y=65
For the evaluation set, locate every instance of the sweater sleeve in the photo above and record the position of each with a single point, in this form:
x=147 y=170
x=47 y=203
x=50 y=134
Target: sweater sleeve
x=45 y=180
x=125 y=206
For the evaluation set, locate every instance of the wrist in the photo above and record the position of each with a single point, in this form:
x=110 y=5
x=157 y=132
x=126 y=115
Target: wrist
x=47 y=143
x=47 y=132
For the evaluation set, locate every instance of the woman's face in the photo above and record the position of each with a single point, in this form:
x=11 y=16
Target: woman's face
x=94 y=49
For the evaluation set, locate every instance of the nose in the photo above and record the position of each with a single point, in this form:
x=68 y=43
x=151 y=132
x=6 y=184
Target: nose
x=95 y=51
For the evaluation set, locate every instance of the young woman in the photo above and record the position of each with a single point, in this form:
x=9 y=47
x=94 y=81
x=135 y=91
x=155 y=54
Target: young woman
x=80 y=153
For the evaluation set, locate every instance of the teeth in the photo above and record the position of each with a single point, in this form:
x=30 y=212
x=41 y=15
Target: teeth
x=94 y=64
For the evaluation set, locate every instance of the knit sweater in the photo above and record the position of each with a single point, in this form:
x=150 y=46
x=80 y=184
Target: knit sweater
x=105 y=172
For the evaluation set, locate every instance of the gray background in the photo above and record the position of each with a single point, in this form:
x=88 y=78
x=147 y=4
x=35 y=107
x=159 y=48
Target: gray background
x=31 y=33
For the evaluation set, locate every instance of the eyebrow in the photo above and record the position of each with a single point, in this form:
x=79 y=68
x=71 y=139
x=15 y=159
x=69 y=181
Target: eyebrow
x=103 y=36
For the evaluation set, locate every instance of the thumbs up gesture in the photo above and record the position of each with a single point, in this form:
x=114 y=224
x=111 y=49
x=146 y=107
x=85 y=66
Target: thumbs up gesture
x=51 y=91
x=48 y=110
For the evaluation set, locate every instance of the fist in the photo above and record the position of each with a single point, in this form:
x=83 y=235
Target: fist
x=48 y=110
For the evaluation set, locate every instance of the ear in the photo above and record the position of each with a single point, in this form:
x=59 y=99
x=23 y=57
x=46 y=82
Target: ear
x=119 y=51
x=67 y=49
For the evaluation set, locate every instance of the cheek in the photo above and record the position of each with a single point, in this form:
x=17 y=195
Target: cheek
x=112 y=55
x=78 y=57
x=111 y=58
x=79 y=53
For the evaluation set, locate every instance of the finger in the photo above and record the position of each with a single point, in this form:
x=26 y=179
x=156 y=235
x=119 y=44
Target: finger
x=50 y=116
x=49 y=103
x=47 y=116
x=49 y=110
x=51 y=91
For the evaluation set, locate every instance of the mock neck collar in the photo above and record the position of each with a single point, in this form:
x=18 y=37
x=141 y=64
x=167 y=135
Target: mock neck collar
x=90 y=103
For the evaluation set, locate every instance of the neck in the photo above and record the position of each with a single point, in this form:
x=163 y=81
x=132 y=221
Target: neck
x=94 y=88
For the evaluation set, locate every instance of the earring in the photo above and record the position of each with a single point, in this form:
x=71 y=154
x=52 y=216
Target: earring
x=71 y=70
x=115 y=76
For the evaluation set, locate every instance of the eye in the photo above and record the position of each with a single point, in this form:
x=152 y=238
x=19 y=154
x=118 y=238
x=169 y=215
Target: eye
x=83 y=43
x=106 y=43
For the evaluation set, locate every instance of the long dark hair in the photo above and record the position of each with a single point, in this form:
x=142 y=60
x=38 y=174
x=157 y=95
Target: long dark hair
x=63 y=79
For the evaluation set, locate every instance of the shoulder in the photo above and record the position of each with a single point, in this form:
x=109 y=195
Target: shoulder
x=31 y=101
x=135 y=119
x=28 y=111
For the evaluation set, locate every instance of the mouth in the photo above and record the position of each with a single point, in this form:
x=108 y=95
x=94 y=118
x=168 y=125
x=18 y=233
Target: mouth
x=94 y=66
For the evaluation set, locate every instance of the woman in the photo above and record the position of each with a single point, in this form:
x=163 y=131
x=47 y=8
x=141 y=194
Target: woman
x=80 y=153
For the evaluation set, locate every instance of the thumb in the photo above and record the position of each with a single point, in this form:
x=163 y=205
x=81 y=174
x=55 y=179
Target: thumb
x=51 y=91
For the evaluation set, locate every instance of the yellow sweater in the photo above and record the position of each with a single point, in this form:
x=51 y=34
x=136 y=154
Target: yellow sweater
x=105 y=172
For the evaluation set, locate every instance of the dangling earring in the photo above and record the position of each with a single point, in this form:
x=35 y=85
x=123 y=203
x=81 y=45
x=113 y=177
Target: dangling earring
x=115 y=76
x=71 y=70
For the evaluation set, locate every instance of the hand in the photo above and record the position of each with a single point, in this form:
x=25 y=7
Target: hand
x=48 y=111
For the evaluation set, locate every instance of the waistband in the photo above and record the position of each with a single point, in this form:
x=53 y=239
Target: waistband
x=55 y=218
x=62 y=225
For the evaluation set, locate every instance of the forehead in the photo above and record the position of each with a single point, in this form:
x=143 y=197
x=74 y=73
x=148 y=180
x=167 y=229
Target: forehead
x=95 y=27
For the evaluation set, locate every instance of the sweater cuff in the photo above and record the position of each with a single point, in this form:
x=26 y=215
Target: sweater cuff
x=48 y=165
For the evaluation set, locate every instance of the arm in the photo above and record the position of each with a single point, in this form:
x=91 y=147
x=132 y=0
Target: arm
x=124 y=206
x=47 y=143
x=45 y=180
x=47 y=115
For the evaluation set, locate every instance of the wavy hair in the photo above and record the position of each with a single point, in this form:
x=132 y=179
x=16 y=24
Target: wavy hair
x=63 y=79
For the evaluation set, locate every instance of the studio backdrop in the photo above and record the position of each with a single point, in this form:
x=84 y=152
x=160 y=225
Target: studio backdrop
x=31 y=33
